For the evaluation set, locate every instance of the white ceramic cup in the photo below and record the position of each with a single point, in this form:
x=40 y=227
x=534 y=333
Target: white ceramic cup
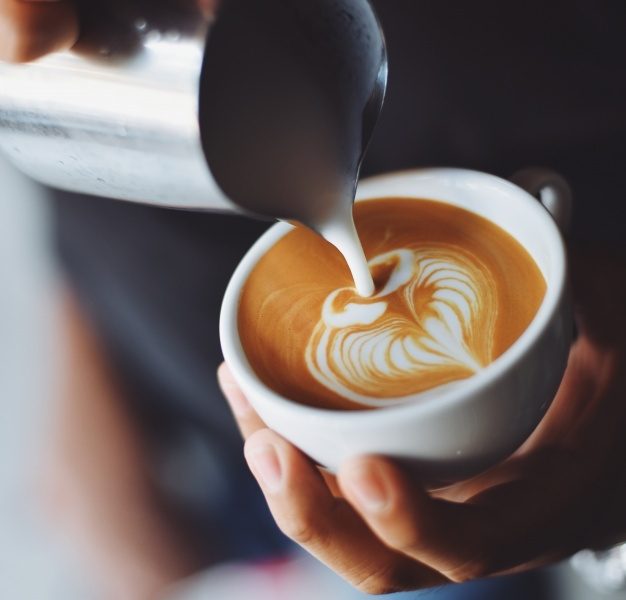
x=454 y=433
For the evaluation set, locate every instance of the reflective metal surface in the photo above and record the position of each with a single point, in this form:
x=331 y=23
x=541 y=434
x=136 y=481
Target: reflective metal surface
x=281 y=101
x=122 y=126
x=291 y=91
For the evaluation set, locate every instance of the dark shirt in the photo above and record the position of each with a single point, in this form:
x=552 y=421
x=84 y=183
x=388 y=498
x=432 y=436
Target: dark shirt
x=484 y=84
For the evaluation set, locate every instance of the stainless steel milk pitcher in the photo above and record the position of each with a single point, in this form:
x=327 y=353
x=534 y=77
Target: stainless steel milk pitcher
x=121 y=116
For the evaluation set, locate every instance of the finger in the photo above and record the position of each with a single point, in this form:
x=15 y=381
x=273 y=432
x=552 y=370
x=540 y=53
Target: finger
x=246 y=417
x=328 y=528
x=249 y=421
x=30 y=29
x=454 y=539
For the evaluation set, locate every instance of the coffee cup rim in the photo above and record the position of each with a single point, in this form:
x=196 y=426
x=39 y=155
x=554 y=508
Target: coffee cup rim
x=431 y=400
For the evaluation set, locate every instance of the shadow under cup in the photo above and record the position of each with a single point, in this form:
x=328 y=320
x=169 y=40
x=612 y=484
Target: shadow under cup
x=449 y=434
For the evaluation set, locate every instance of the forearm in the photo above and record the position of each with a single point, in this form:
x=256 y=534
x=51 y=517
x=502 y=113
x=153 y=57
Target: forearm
x=99 y=470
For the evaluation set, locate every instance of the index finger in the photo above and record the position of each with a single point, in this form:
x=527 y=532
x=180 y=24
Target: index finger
x=327 y=527
x=246 y=417
x=30 y=29
x=249 y=421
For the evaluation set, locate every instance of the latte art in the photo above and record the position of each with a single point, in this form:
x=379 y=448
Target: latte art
x=432 y=322
x=453 y=291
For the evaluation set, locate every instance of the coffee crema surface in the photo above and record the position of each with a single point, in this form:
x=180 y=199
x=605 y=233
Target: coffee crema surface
x=453 y=292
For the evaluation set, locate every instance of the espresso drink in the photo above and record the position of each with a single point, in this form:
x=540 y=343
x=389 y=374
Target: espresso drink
x=453 y=292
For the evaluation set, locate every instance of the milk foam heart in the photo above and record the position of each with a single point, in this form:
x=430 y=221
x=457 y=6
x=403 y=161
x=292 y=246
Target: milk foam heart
x=434 y=314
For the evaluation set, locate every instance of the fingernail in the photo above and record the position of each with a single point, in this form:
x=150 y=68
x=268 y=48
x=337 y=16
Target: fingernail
x=265 y=465
x=238 y=402
x=367 y=487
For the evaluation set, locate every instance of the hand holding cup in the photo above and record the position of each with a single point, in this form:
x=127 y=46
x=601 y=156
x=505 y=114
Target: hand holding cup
x=562 y=491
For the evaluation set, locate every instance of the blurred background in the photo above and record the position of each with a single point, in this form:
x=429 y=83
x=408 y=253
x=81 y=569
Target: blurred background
x=37 y=561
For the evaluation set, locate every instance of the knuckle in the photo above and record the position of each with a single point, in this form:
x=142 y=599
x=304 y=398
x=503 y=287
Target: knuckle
x=384 y=580
x=300 y=526
x=415 y=537
x=309 y=522
x=476 y=568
